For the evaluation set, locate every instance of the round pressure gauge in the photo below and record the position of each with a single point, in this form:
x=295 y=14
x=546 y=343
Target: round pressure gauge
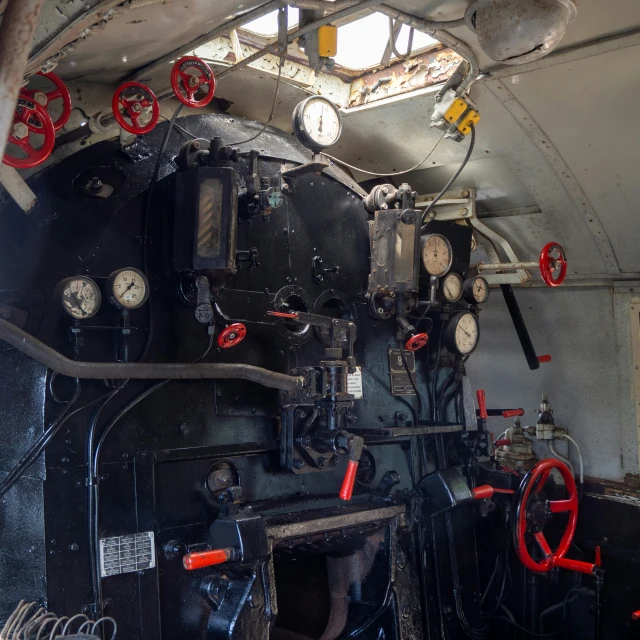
x=452 y=287
x=436 y=254
x=128 y=288
x=317 y=123
x=475 y=290
x=78 y=296
x=461 y=334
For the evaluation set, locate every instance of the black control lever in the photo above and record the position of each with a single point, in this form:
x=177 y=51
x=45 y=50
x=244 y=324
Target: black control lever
x=520 y=326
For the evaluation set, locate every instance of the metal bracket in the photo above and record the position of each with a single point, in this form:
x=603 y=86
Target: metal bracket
x=461 y=205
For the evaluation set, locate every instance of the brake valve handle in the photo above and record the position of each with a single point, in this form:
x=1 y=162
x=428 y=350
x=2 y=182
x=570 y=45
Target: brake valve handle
x=482 y=404
x=512 y=413
x=210 y=558
x=355 y=451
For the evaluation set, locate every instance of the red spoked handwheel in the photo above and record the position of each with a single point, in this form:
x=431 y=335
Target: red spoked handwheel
x=29 y=118
x=533 y=511
x=45 y=98
x=232 y=335
x=549 y=263
x=416 y=341
x=188 y=76
x=130 y=101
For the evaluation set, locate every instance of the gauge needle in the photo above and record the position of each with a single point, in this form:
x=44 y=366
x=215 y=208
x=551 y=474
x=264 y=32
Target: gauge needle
x=75 y=297
x=320 y=124
x=127 y=289
x=466 y=332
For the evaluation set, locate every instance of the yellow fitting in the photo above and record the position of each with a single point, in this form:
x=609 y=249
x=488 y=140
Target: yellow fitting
x=471 y=118
x=328 y=41
x=455 y=110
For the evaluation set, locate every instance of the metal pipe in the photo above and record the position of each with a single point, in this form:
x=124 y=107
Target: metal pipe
x=49 y=357
x=17 y=29
x=507 y=266
x=566 y=436
x=557 y=454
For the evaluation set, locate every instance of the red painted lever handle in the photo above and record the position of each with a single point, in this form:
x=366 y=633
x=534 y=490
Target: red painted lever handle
x=346 y=491
x=201 y=559
x=545 y=358
x=486 y=491
x=482 y=404
x=635 y=615
x=505 y=442
x=512 y=413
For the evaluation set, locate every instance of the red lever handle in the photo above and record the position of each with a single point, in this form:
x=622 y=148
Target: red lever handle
x=512 y=413
x=505 y=442
x=346 y=491
x=486 y=491
x=545 y=358
x=635 y=615
x=482 y=404
x=201 y=559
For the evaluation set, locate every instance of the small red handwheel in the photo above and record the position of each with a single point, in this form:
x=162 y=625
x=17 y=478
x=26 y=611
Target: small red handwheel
x=29 y=118
x=232 y=335
x=533 y=510
x=130 y=100
x=188 y=76
x=45 y=98
x=550 y=263
x=416 y=341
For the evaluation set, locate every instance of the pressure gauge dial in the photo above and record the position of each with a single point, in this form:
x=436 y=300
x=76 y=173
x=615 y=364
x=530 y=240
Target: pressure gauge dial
x=475 y=290
x=436 y=254
x=317 y=123
x=452 y=287
x=128 y=288
x=461 y=334
x=78 y=296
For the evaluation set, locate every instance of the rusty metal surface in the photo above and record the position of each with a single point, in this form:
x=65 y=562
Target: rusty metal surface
x=18 y=25
x=422 y=71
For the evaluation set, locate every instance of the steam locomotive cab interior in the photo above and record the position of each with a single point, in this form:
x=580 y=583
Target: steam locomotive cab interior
x=319 y=320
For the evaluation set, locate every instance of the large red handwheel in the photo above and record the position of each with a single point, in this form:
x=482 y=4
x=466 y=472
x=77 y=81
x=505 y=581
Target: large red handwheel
x=130 y=101
x=45 y=98
x=550 y=263
x=416 y=341
x=29 y=118
x=188 y=75
x=232 y=335
x=533 y=510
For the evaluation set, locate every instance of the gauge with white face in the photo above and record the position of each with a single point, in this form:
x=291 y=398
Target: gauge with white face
x=317 y=123
x=462 y=333
x=452 y=287
x=436 y=254
x=476 y=290
x=79 y=297
x=128 y=288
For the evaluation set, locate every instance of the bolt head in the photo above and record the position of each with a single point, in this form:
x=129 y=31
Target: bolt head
x=41 y=98
x=137 y=107
x=20 y=130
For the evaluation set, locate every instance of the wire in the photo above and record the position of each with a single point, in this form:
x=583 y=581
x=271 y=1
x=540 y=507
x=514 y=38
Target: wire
x=273 y=108
x=453 y=178
x=394 y=173
x=179 y=128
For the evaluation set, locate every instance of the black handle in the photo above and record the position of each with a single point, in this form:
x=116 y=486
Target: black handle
x=520 y=326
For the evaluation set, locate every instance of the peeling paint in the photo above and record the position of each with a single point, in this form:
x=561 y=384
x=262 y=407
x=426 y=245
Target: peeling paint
x=402 y=77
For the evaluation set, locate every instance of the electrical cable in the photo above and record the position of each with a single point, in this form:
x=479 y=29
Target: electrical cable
x=453 y=178
x=393 y=173
x=272 y=112
x=145 y=224
x=38 y=446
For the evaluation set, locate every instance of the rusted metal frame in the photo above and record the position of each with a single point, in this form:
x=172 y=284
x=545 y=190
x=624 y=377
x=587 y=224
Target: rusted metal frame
x=17 y=29
x=565 y=175
x=236 y=23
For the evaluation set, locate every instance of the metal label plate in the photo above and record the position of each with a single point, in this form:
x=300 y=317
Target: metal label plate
x=126 y=554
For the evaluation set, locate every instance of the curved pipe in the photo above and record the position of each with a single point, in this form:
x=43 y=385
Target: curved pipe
x=555 y=454
x=49 y=357
x=566 y=436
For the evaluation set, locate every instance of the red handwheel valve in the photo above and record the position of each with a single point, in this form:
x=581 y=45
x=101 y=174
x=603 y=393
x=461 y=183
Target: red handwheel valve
x=533 y=511
x=29 y=118
x=190 y=75
x=553 y=258
x=45 y=98
x=232 y=335
x=133 y=100
x=416 y=341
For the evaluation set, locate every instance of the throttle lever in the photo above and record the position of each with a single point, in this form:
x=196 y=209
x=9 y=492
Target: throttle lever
x=355 y=452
